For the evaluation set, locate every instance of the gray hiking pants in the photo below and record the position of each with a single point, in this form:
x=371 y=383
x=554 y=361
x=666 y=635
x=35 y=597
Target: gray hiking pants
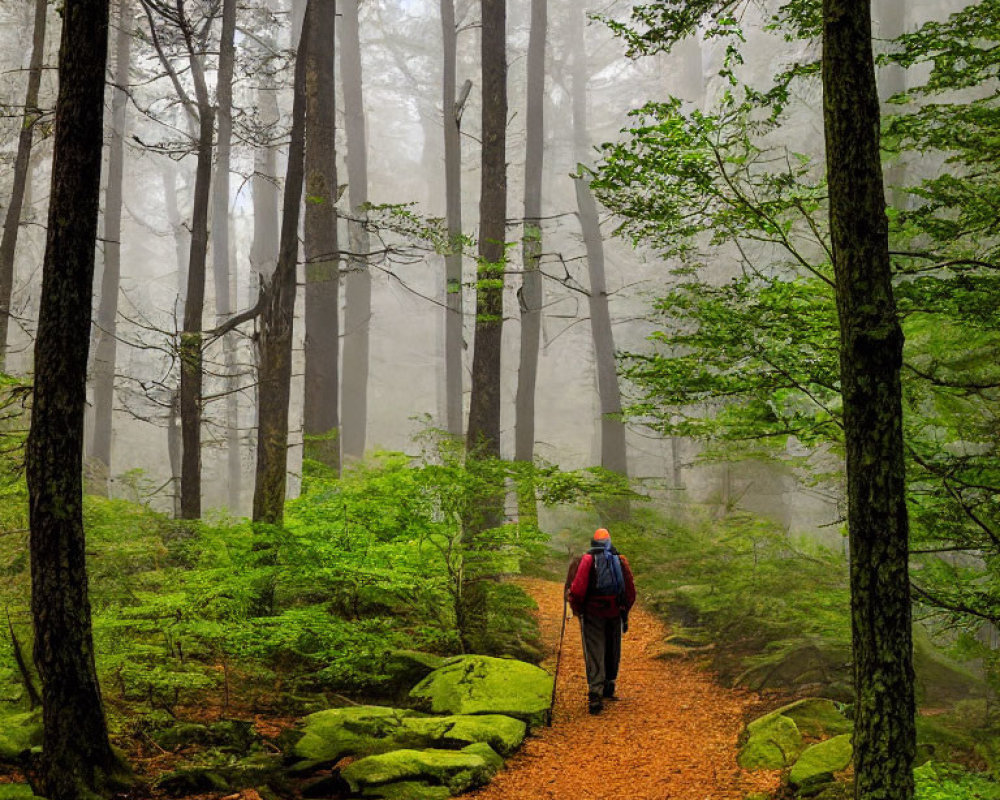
x=602 y=650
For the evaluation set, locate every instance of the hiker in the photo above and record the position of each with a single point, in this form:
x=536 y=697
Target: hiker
x=600 y=591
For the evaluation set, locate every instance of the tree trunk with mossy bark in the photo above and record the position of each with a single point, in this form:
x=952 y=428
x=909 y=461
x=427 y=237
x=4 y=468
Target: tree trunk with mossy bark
x=871 y=342
x=77 y=760
x=277 y=317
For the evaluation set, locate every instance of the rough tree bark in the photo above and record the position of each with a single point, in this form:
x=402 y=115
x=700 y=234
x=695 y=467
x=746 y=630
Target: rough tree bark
x=530 y=295
x=871 y=342
x=451 y=108
x=194 y=304
x=322 y=344
x=76 y=759
x=358 y=281
x=221 y=250
x=22 y=163
x=105 y=335
x=277 y=313
x=614 y=454
x=483 y=434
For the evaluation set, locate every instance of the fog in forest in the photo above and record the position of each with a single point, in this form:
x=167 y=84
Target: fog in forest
x=397 y=388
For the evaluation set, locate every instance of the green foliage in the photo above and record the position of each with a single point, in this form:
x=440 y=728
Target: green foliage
x=941 y=781
x=742 y=581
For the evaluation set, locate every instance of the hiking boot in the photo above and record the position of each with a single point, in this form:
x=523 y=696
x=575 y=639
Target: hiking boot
x=609 y=691
x=594 y=704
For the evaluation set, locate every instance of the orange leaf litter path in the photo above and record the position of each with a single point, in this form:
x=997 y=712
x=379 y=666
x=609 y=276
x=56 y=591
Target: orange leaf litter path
x=671 y=736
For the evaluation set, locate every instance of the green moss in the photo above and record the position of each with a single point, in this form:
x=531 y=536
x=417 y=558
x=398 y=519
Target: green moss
x=19 y=732
x=773 y=742
x=485 y=685
x=817 y=717
x=504 y=734
x=456 y=769
x=330 y=735
x=17 y=791
x=819 y=761
x=408 y=790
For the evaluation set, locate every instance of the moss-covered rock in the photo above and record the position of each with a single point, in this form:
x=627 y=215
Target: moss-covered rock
x=368 y=730
x=406 y=668
x=485 y=685
x=17 y=791
x=493 y=759
x=818 y=762
x=504 y=734
x=329 y=735
x=230 y=735
x=19 y=732
x=192 y=780
x=816 y=717
x=458 y=770
x=408 y=790
x=798 y=663
x=773 y=742
x=941 y=681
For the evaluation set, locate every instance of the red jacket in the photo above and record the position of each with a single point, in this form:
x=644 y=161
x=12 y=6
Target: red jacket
x=578 y=582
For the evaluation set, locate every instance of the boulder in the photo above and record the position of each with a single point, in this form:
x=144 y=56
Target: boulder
x=816 y=717
x=502 y=733
x=367 y=730
x=818 y=762
x=229 y=735
x=19 y=732
x=773 y=742
x=458 y=770
x=330 y=735
x=17 y=791
x=486 y=685
x=406 y=668
x=408 y=790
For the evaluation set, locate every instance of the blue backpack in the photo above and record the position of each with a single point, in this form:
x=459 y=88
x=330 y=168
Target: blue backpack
x=606 y=578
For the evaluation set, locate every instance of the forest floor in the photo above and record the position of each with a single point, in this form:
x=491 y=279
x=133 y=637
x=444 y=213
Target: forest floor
x=671 y=736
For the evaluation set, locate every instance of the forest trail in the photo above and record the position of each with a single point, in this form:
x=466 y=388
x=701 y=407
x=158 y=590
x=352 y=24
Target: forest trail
x=671 y=736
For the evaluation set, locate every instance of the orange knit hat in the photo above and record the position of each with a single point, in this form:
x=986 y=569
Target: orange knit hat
x=601 y=533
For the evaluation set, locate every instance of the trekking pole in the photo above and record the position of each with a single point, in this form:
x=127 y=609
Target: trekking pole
x=555 y=678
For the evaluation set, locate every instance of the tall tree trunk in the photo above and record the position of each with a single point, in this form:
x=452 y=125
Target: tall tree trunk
x=76 y=755
x=530 y=295
x=221 y=249
x=483 y=434
x=322 y=346
x=105 y=344
x=264 y=248
x=277 y=314
x=182 y=247
x=451 y=108
x=191 y=336
x=614 y=455
x=871 y=342
x=358 y=281
x=22 y=163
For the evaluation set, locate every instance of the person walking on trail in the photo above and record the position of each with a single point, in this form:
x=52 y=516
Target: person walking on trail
x=600 y=590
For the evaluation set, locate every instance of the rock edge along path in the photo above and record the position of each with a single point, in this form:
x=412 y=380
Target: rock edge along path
x=671 y=736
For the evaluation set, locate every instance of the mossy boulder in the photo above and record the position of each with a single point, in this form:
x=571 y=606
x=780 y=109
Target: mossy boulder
x=798 y=663
x=408 y=790
x=486 y=685
x=818 y=762
x=458 y=770
x=230 y=735
x=224 y=775
x=817 y=717
x=368 y=730
x=406 y=668
x=502 y=733
x=19 y=732
x=772 y=742
x=329 y=735
x=939 y=680
x=17 y=791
